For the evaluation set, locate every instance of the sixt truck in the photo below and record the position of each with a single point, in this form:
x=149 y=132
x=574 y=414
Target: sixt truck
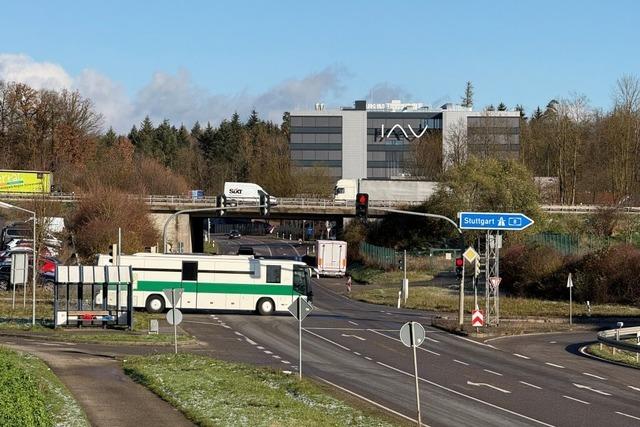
x=18 y=181
x=403 y=190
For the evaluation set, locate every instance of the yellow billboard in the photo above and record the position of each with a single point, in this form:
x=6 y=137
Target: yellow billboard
x=16 y=181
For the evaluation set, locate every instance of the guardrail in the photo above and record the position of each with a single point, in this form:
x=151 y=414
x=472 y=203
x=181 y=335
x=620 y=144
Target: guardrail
x=284 y=202
x=617 y=338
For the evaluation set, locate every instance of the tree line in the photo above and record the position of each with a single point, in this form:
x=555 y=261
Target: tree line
x=593 y=155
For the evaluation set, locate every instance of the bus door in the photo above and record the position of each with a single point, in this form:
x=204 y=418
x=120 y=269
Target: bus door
x=189 y=284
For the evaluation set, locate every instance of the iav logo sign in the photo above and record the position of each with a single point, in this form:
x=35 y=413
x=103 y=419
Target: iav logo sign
x=397 y=131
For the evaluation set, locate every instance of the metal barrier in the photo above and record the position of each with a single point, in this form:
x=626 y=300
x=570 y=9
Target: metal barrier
x=617 y=338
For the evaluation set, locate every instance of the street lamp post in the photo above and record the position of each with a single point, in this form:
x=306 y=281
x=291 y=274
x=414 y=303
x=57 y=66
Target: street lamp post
x=33 y=274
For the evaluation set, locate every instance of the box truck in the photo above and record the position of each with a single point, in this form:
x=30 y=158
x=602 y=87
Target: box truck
x=331 y=257
x=402 y=190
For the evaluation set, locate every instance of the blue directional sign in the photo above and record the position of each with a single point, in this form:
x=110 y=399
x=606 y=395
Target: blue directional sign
x=494 y=221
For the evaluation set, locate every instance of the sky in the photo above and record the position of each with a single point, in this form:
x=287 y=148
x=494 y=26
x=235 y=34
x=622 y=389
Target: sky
x=203 y=60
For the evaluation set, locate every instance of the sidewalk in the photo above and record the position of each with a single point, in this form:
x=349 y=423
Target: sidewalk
x=108 y=396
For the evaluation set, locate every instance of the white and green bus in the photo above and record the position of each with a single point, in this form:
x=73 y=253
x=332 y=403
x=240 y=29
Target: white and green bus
x=216 y=282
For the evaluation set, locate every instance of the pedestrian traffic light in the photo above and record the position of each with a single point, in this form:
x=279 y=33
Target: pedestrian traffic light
x=362 y=206
x=221 y=202
x=265 y=203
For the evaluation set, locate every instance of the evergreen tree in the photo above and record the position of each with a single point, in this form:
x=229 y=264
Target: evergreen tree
x=207 y=141
x=183 y=137
x=165 y=143
x=520 y=109
x=109 y=138
x=467 y=99
x=286 y=124
x=491 y=108
x=537 y=114
x=253 y=119
x=502 y=107
x=196 y=131
x=144 y=140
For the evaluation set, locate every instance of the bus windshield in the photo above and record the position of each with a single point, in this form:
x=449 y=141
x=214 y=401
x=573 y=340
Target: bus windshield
x=301 y=280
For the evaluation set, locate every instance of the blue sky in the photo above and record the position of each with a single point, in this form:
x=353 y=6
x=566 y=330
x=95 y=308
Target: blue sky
x=196 y=60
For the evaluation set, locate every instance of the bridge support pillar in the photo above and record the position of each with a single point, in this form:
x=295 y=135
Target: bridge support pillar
x=179 y=230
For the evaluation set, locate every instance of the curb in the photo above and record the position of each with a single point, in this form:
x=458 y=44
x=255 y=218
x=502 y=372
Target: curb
x=583 y=351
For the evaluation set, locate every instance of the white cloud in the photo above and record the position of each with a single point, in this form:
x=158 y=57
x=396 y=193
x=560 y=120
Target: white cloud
x=174 y=96
x=385 y=92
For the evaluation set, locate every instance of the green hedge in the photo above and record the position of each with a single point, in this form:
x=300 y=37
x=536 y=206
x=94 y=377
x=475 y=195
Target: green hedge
x=21 y=400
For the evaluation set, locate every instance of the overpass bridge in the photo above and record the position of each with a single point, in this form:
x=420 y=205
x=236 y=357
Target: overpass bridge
x=187 y=227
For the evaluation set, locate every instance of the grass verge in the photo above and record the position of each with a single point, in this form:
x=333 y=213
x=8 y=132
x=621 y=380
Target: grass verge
x=378 y=277
x=433 y=298
x=211 y=392
x=31 y=395
x=620 y=356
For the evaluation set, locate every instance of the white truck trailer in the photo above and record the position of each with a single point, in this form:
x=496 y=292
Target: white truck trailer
x=402 y=190
x=331 y=257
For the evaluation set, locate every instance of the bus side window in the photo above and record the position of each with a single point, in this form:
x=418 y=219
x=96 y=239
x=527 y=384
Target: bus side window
x=190 y=270
x=273 y=273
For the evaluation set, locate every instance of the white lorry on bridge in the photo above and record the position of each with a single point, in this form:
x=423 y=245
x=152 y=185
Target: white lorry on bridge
x=245 y=192
x=402 y=190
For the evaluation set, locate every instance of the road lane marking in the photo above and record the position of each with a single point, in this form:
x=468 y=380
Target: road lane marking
x=531 y=385
x=554 y=365
x=368 y=358
x=490 y=386
x=357 y=354
x=354 y=336
x=250 y=341
x=594 y=376
x=268 y=352
x=475 y=342
x=552 y=342
x=461 y=362
x=430 y=339
x=633 y=388
x=275 y=356
x=238 y=333
x=604 y=393
x=202 y=323
x=286 y=362
x=260 y=347
x=353 y=323
x=627 y=415
x=521 y=356
x=577 y=400
x=396 y=339
x=475 y=399
x=49 y=344
x=371 y=401
x=493 y=372
x=327 y=339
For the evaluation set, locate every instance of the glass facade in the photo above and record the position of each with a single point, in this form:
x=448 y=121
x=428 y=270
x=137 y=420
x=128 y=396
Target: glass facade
x=316 y=141
x=493 y=136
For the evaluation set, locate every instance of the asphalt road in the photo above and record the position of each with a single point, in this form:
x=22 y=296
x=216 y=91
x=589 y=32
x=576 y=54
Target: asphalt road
x=532 y=380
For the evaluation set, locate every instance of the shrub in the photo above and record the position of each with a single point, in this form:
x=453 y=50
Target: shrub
x=96 y=219
x=531 y=270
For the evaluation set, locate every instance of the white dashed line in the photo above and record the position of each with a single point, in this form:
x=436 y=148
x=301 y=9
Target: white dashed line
x=286 y=362
x=633 y=388
x=461 y=362
x=552 y=342
x=577 y=400
x=521 y=356
x=431 y=339
x=275 y=356
x=356 y=353
x=627 y=415
x=396 y=339
x=531 y=385
x=268 y=352
x=368 y=358
x=238 y=333
x=327 y=339
x=250 y=341
x=493 y=372
x=554 y=365
x=260 y=347
x=353 y=323
x=501 y=390
x=594 y=376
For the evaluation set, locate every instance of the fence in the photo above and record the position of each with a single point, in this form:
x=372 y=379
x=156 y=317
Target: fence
x=572 y=244
x=389 y=259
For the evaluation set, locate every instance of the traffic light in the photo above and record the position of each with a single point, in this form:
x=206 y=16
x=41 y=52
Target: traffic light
x=265 y=203
x=221 y=202
x=459 y=265
x=477 y=268
x=401 y=263
x=113 y=254
x=362 y=206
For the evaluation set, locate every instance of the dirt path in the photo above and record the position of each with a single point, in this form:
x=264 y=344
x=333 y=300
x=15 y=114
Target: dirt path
x=107 y=395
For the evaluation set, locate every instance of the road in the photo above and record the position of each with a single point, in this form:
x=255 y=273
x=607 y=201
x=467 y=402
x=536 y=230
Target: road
x=533 y=380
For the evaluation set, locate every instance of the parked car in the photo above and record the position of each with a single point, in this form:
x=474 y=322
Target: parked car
x=234 y=234
x=245 y=250
x=46 y=278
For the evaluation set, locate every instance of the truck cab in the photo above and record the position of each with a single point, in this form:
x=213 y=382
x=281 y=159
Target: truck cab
x=245 y=192
x=345 y=189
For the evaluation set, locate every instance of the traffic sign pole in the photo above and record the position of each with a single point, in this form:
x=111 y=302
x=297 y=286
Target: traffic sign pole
x=461 y=303
x=175 y=325
x=300 y=338
x=415 y=370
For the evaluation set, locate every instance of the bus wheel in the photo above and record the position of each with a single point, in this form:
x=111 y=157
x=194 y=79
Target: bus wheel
x=155 y=304
x=266 y=306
